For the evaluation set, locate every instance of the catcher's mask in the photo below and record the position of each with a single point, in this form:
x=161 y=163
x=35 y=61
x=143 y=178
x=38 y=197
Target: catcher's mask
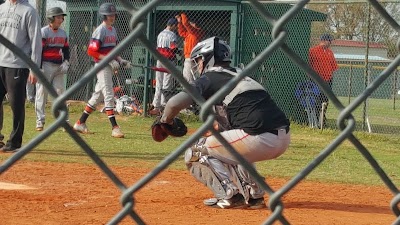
x=211 y=51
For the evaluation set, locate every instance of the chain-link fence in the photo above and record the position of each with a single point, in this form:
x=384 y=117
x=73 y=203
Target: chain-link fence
x=245 y=31
x=272 y=41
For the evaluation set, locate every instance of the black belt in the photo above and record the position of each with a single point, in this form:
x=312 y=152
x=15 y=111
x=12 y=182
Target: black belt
x=287 y=128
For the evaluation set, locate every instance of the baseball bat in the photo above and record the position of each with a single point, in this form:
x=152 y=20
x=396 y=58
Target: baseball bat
x=119 y=88
x=118 y=79
x=159 y=69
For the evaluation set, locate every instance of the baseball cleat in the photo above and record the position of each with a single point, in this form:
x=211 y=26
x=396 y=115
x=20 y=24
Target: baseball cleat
x=39 y=126
x=257 y=203
x=236 y=202
x=155 y=112
x=81 y=128
x=116 y=132
x=8 y=149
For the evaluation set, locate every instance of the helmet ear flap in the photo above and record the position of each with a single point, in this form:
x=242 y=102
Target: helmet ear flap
x=50 y=19
x=216 y=46
x=222 y=51
x=105 y=17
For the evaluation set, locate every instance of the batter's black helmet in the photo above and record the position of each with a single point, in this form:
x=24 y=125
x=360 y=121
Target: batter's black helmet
x=52 y=12
x=107 y=9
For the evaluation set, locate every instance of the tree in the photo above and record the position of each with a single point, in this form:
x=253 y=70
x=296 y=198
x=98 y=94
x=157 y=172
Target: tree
x=354 y=21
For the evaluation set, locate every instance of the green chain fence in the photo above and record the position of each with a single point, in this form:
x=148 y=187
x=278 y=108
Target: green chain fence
x=271 y=41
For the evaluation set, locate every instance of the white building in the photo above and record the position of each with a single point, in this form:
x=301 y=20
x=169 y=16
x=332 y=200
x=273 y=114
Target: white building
x=356 y=50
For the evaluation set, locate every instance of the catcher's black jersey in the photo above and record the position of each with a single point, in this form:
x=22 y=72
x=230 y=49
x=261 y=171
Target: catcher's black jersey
x=253 y=111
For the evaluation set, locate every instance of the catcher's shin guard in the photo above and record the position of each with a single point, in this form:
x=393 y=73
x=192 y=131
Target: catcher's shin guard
x=205 y=176
x=255 y=190
x=210 y=171
x=223 y=173
x=194 y=153
x=241 y=184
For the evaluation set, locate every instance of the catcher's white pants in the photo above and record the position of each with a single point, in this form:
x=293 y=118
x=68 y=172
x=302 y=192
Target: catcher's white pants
x=187 y=70
x=164 y=82
x=56 y=78
x=103 y=89
x=253 y=148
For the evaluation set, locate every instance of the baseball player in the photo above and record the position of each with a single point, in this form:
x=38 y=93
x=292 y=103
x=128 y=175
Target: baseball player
x=55 y=61
x=166 y=45
x=248 y=119
x=103 y=40
x=190 y=30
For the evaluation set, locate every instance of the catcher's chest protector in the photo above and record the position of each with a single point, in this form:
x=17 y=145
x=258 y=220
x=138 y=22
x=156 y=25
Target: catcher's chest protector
x=246 y=84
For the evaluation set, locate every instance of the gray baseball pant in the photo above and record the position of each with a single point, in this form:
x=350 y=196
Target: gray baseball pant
x=187 y=70
x=164 y=84
x=103 y=89
x=56 y=78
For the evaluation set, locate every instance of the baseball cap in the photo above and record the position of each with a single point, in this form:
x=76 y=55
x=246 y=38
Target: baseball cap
x=172 y=21
x=326 y=37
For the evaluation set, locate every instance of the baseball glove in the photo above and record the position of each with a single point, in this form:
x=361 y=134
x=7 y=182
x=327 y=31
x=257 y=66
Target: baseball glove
x=177 y=129
x=160 y=131
x=157 y=131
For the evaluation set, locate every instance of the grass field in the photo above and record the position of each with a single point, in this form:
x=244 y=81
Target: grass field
x=382 y=114
x=345 y=165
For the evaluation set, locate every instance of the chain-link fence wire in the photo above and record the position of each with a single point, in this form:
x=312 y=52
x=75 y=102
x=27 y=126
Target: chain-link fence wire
x=279 y=47
x=235 y=22
x=361 y=60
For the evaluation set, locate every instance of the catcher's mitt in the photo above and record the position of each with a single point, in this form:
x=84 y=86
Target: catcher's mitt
x=157 y=131
x=160 y=131
x=177 y=129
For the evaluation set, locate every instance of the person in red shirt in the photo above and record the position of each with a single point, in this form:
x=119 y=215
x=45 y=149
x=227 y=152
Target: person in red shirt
x=322 y=60
x=190 y=30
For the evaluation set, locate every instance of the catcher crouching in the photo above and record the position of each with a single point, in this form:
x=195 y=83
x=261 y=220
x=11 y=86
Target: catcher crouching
x=247 y=118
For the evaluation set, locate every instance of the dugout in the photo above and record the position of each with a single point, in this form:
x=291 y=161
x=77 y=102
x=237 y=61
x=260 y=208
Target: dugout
x=236 y=21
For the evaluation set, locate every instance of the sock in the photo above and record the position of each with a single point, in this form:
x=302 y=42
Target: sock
x=88 y=110
x=111 y=117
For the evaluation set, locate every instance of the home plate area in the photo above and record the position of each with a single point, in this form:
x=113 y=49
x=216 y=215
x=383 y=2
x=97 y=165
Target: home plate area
x=12 y=186
x=70 y=194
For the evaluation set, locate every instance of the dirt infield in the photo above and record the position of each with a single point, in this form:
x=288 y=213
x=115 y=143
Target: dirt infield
x=81 y=194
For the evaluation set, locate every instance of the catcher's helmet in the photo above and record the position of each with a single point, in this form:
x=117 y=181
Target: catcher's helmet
x=107 y=9
x=212 y=50
x=52 y=12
